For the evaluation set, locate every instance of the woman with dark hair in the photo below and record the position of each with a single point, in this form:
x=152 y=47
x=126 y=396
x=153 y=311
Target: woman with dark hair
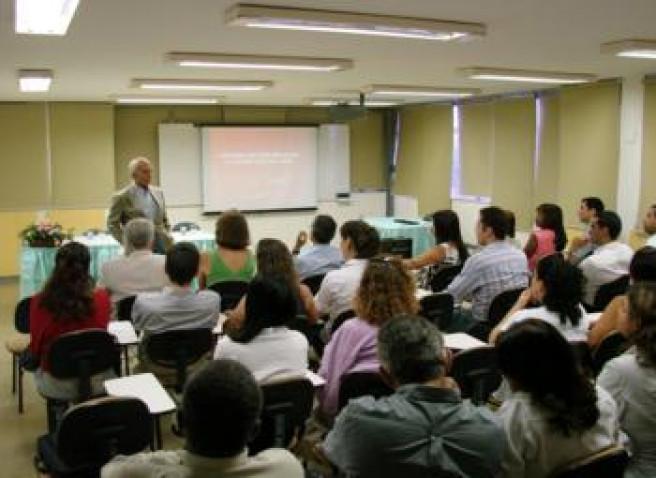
x=631 y=379
x=548 y=236
x=450 y=248
x=264 y=344
x=554 y=414
x=275 y=262
x=231 y=260
x=67 y=303
x=641 y=269
x=557 y=287
x=386 y=290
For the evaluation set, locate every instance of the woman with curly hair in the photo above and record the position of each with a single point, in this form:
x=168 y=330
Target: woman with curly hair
x=557 y=287
x=67 y=303
x=631 y=379
x=386 y=290
x=554 y=415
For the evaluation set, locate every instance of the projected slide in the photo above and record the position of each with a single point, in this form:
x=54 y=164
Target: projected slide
x=259 y=168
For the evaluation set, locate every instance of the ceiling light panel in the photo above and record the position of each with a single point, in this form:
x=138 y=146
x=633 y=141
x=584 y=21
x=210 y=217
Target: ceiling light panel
x=259 y=62
x=526 y=76
x=286 y=18
x=351 y=102
x=34 y=81
x=153 y=100
x=200 y=85
x=644 y=49
x=403 y=91
x=44 y=17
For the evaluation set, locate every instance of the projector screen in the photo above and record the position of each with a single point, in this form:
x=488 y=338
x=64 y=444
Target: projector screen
x=259 y=168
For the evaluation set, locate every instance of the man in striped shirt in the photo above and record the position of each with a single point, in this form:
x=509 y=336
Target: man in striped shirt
x=498 y=267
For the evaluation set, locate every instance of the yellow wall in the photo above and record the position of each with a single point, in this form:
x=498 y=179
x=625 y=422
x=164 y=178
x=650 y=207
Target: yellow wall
x=367 y=151
x=647 y=193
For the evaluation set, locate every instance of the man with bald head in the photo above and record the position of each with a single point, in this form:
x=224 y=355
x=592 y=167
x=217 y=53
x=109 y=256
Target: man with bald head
x=140 y=199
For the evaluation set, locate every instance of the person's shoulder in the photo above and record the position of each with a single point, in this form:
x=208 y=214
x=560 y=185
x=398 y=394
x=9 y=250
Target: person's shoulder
x=296 y=336
x=277 y=462
x=143 y=465
x=101 y=296
x=122 y=192
x=209 y=296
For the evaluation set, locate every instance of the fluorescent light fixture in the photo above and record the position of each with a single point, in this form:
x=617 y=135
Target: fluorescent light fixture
x=286 y=18
x=153 y=100
x=419 y=91
x=259 y=62
x=201 y=85
x=34 y=81
x=526 y=76
x=44 y=17
x=645 y=49
x=350 y=102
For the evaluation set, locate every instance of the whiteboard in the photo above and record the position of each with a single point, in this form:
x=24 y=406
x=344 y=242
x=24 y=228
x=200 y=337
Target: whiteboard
x=180 y=163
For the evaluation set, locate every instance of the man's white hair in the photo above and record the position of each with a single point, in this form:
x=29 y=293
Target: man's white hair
x=134 y=164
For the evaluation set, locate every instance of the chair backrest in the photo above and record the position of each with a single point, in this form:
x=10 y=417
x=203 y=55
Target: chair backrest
x=93 y=432
x=22 y=315
x=185 y=226
x=438 y=308
x=607 y=463
x=476 y=372
x=443 y=276
x=124 y=308
x=231 y=293
x=610 y=347
x=401 y=246
x=341 y=318
x=314 y=282
x=287 y=405
x=501 y=305
x=82 y=354
x=359 y=384
x=177 y=349
x=608 y=292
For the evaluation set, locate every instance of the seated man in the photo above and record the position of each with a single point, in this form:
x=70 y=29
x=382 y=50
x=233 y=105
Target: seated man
x=582 y=247
x=497 y=267
x=320 y=257
x=177 y=306
x=221 y=410
x=611 y=258
x=139 y=270
x=424 y=429
x=649 y=225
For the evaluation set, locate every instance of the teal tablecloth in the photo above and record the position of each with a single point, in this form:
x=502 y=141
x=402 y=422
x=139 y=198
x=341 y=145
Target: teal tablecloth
x=37 y=263
x=420 y=233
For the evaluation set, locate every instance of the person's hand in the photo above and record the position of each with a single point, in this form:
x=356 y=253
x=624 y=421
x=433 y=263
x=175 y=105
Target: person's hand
x=301 y=240
x=525 y=298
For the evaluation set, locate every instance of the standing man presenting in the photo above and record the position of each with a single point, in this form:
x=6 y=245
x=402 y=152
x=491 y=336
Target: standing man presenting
x=140 y=199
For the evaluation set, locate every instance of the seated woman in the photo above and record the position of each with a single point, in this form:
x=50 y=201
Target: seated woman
x=67 y=303
x=275 y=262
x=642 y=268
x=450 y=249
x=231 y=260
x=548 y=236
x=554 y=414
x=631 y=380
x=264 y=344
x=386 y=290
x=558 y=287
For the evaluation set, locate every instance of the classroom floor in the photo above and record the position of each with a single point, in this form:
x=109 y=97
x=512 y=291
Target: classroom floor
x=18 y=433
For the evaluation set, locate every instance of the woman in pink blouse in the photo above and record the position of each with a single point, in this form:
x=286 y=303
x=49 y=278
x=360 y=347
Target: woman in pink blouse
x=386 y=290
x=548 y=236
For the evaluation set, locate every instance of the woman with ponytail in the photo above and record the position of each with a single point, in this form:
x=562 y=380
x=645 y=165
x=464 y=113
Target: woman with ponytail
x=631 y=379
x=557 y=287
x=554 y=415
x=67 y=303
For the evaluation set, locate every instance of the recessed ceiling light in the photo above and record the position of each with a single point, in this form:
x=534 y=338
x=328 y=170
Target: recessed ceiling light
x=153 y=100
x=350 y=102
x=645 y=49
x=44 y=17
x=526 y=76
x=201 y=85
x=34 y=81
x=418 y=91
x=286 y=18
x=259 y=62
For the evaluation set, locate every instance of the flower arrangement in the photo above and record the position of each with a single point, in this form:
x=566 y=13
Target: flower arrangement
x=44 y=234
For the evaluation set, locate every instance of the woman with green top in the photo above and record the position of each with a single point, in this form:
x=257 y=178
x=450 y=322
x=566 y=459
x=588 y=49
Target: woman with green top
x=232 y=260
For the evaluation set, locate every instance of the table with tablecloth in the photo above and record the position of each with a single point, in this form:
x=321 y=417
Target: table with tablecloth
x=37 y=263
x=416 y=229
